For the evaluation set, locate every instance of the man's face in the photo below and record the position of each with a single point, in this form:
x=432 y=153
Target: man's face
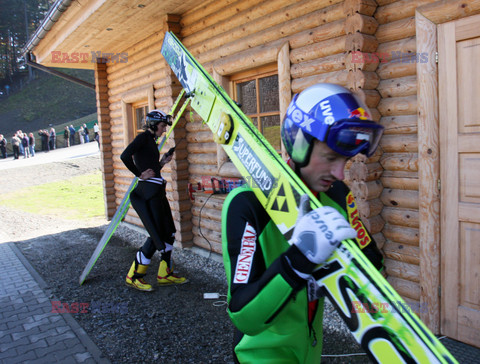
x=324 y=168
x=161 y=128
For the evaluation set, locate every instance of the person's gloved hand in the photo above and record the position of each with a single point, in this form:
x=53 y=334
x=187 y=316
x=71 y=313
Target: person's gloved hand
x=319 y=232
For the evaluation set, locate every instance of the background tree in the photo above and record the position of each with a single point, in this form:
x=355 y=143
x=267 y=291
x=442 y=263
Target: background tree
x=18 y=21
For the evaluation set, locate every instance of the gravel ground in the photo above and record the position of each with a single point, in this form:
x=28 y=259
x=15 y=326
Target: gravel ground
x=169 y=325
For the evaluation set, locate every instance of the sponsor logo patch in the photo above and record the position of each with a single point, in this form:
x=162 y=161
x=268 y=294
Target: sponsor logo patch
x=245 y=258
x=363 y=239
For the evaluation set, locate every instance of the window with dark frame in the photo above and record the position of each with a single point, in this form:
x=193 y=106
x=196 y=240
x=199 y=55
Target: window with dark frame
x=258 y=93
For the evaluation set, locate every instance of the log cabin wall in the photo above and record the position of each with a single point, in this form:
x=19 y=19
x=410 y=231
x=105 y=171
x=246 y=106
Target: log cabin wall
x=229 y=37
x=396 y=36
x=310 y=41
x=409 y=111
x=103 y=114
x=147 y=78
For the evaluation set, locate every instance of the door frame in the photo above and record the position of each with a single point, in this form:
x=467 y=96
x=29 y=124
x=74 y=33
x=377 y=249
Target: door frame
x=427 y=19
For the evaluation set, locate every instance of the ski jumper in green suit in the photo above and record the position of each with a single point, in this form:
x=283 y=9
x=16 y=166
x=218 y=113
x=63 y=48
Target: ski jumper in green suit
x=277 y=318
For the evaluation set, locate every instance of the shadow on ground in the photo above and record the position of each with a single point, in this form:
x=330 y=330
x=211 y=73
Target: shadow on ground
x=169 y=325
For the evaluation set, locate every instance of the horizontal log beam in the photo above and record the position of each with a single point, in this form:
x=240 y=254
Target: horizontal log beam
x=400 y=216
x=398 y=87
x=399 y=124
x=318 y=50
x=318 y=34
x=398 y=10
x=400 y=198
x=401 y=252
x=392 y=50
x=317 y=66
x=396 y=69
x=209 y=214
x=448 y=10
x=338 y=77
x=213 y=246
x=400 y=183
x=399 y=143
x=396 y=30
x=406 y=105
x=406 y=288
x=407 y=162
x=406 y=271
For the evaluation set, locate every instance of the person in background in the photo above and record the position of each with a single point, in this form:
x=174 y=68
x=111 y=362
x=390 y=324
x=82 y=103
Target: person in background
x=3 y=146
x=72 y=135
x=96 y=131
x=66 y=137
x=44 y=137
x=31 y=144
x=26 y=146
x=16 y=146
x=150 y=202
x=53 y=139
x=273 y=297
x=85 y=130
x=81 y=135
x=20 y=136
x=42 y=140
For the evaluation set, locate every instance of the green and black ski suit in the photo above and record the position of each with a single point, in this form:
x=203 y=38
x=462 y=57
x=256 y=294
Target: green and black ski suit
x=267 y=301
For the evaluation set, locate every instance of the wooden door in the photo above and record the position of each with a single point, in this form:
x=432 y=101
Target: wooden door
x=459 y=109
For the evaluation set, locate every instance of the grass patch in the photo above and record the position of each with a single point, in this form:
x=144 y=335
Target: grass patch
x=77 y=198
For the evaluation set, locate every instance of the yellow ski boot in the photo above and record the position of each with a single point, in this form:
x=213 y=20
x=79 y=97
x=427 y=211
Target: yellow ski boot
x=166 y=276
x=135 y=277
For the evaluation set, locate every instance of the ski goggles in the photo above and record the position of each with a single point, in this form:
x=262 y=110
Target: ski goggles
x=348 y=137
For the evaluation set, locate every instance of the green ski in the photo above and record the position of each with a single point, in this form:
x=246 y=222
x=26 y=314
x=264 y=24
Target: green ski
x=125 y=204
x=390 y=334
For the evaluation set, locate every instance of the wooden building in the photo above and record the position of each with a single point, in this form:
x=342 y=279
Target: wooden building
x=412 y=60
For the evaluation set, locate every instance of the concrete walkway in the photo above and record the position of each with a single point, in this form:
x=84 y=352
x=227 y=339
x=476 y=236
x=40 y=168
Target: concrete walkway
x=30 y=332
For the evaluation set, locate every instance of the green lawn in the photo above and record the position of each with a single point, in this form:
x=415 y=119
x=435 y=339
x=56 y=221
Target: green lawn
x=77 y=198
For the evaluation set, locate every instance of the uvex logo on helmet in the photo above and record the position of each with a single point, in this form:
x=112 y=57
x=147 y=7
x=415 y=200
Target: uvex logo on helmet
x=299 y=117
x=327 y=112
x=360 y=113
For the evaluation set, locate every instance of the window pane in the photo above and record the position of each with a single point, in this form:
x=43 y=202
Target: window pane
x=269 y=94
x=247 y=96
x=271 y=130
x=140 y=114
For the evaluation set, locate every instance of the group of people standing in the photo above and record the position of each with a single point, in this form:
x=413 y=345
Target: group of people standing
x=48 y=139
x=22 y=144
x=69 y=135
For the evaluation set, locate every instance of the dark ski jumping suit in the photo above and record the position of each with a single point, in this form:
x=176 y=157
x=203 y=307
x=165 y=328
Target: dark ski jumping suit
x=148 y=198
